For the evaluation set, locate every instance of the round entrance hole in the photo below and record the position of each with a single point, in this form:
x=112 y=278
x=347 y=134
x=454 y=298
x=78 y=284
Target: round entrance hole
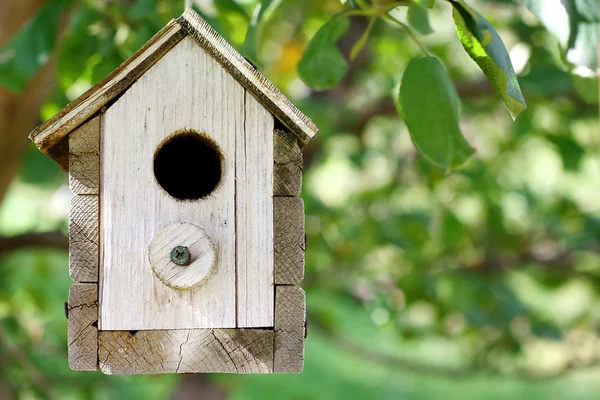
x=188 y=166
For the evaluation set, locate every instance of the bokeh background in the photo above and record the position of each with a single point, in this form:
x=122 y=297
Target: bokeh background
x=479 y=284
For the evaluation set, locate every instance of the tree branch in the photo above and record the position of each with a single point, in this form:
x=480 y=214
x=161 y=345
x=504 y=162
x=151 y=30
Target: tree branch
x=53 y=240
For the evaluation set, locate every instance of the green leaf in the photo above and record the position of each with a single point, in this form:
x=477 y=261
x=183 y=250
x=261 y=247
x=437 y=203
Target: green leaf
x=418 y=17
x=251 y=44
x=575 y=24
x=587 y=87
x=484 y=45
x=30 y=48
x=230 y=6
x=323 y=65
x=430 y=106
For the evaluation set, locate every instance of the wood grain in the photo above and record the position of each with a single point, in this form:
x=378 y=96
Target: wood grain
x=83 y=238
x=82 y=311
x=49 y=134
x=287 y=179
x=254 y=218
x=203 y=255
x=290 y=317
x=241 y=351
x=84 y=158
x=289 y=240
x=255 y=82
x=170 y=97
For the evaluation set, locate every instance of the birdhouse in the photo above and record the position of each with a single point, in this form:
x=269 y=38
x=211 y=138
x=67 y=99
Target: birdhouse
x=186 y=230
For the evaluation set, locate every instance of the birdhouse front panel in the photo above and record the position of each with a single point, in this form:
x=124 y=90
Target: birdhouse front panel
x=186 y=227
x=186 y=145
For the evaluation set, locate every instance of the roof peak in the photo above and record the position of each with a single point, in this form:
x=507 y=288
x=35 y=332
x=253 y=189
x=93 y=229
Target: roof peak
x=49 y=136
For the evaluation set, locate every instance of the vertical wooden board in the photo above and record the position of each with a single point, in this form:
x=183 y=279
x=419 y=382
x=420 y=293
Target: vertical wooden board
x=83 y=238
x=84 y=158
x=287 y=171
x=290 y=317
x=240 y=351
x=186 y=89
x=289 y=240
x=82 y=311
x=254 y=218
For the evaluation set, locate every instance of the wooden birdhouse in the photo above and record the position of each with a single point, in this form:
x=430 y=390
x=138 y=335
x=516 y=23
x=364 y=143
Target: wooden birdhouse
x=186 y=230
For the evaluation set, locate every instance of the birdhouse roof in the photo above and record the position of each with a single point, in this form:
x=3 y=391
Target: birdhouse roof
x=49 y=136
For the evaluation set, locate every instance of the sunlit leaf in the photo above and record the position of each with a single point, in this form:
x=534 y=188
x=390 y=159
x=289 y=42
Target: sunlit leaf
x=430 y=106
x=418 y=18
x=484 y=45
x=323 y=65
x=575 y=23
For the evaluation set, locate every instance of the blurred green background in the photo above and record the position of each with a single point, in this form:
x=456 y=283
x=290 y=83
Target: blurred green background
x=483 y=283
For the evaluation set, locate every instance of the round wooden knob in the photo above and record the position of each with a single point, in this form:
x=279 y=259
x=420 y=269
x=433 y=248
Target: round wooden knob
x=182 y=255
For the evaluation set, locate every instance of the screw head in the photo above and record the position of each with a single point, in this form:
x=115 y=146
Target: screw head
x=180 y=255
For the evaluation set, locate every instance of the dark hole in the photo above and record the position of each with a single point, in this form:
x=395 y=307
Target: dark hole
x=188 y=166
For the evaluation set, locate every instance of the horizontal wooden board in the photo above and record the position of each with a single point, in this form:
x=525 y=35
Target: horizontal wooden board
x=287 y=179
x=84 y=238
x=241 y=351
x=84 y=158
x=82 y=311
x=289 y=240
x=290 y=318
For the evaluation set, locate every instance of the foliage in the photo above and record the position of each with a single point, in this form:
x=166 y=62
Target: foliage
x=425 y=280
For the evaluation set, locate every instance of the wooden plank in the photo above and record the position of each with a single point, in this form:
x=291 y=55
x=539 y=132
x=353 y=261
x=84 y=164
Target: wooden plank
x=241 y=351
x=49 y=134
x=289 y=240
x=287 y=179
x=255 y=82
x=170 y=97
x=83 y=238
x=84 y=158
x=290 y=318
x=82 y=309
x=254 y=218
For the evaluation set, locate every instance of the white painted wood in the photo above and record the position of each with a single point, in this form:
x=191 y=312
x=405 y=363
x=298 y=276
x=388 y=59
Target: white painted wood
x=186 y=89
x=254 y=218
x=203 y=255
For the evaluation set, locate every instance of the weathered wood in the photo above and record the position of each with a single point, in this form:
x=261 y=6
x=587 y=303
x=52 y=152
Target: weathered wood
x=202 y=255
x=170 y=97
x=287 y=179
x=47 y=135
x=254 y=218
x=83 y=238
x=290 y=318
x=255 y=82
x=289 y=240
x=84 y=158
x=82 y=309
x=241 y=351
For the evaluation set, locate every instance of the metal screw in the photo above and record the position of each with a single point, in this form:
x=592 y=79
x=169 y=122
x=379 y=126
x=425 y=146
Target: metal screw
x=180 y=255
x=66 y=310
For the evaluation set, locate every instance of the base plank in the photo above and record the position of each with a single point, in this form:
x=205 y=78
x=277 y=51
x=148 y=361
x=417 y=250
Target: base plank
x=290 y=317
x=82 y=309
x=239 y=351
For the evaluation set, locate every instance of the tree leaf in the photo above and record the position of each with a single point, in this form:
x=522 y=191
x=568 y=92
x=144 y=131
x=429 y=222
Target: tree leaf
x=417 y=16
x=263 y=10
x=430 y=106
x=484 y=45
x=30 y=48
x=323 y=65
x=575 y=24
